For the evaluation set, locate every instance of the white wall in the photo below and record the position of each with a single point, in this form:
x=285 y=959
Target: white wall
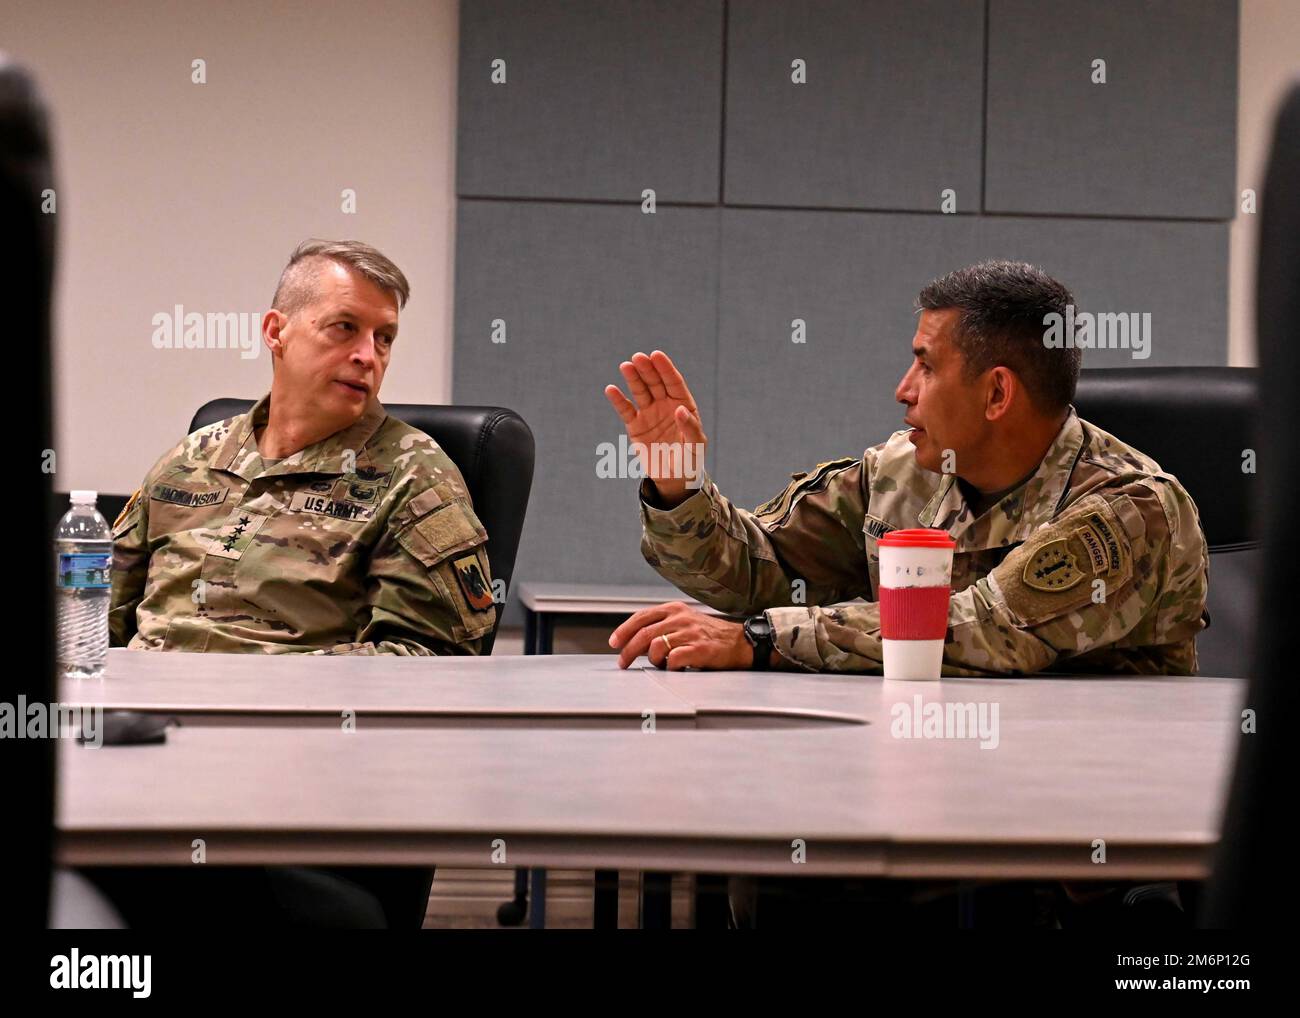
x=175 y=193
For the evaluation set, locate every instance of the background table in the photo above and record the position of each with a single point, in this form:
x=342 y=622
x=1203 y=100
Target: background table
x=546 y=604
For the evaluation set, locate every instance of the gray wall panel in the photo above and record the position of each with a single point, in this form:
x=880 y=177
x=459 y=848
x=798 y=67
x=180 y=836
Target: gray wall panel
x=853 y=277
x=1176 y=271
x=1098 y=184
x=602 y=99
x=1157 y=140
x=890 y=114
x=581 y=288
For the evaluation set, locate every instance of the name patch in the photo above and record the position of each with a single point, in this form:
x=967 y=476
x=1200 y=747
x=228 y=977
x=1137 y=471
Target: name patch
x=185 y=497
x=323 y=505
x=877 y=528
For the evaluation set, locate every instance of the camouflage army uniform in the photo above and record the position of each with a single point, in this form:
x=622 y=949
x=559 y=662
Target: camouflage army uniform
x=363 y=543
x=1026 y=596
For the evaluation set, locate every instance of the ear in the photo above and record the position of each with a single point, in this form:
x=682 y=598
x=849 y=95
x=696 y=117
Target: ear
x=273 y=323
x=1003 y=391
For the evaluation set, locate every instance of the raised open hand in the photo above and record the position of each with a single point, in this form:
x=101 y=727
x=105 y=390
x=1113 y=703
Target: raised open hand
x=664 y=415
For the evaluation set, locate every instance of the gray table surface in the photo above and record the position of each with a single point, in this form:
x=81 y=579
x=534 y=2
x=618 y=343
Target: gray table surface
x=530 y=691
x=1139 y=764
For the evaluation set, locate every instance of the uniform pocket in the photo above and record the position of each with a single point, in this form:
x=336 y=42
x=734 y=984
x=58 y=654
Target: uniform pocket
x=440 y=533
x=448 y=541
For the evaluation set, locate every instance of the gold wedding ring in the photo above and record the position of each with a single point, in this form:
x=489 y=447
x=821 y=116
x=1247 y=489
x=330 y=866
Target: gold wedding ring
x=664 y=637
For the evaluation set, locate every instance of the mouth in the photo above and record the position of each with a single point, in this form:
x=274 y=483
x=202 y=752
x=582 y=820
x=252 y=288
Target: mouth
x=358 y=387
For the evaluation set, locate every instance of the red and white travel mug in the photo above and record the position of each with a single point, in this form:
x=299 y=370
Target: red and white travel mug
x=915 y=584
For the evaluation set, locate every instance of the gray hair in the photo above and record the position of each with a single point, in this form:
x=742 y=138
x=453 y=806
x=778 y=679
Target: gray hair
x=299 y=282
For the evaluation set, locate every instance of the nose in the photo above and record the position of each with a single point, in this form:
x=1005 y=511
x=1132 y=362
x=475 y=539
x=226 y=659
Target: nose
x=363 y=351
x=906 y=390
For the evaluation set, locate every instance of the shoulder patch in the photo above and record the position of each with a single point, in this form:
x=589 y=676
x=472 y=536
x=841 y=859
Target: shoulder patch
x=1044 y=578
x=472 y=584
x=1106 y=538
x=1053 y=567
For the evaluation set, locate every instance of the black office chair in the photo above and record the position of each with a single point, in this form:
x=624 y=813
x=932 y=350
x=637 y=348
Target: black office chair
x=1251 y=882
x=492 y=447
x=1197 y=424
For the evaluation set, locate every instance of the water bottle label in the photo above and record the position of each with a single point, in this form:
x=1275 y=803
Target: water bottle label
x=84 y=572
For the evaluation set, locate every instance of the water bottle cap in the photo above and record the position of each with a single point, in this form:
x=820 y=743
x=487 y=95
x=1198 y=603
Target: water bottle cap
x=84 y=497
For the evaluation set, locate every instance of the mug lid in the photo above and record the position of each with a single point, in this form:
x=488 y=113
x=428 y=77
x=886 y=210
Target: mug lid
x=919 y=537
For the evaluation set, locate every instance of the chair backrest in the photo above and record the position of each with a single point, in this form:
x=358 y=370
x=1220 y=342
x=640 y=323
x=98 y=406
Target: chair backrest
x=1197 y=423
x=493 y=448
x=1251 y=886
x=25 y=172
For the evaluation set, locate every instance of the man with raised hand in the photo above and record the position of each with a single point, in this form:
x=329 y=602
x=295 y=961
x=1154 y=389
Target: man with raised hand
x=1075 y=552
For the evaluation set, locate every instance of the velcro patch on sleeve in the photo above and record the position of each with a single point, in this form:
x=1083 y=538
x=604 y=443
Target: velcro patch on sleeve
x=1045 y=577
x=440 y=533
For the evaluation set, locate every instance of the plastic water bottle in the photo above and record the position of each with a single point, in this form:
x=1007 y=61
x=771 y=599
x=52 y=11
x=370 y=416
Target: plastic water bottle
x=83 y=549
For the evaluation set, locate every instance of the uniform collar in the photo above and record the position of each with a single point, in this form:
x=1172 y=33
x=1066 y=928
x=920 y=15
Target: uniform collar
x=238 y=450
x=1022 y=510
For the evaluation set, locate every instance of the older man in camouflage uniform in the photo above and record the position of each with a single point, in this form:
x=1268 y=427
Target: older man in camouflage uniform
x=315 y=522
x=1075 y=552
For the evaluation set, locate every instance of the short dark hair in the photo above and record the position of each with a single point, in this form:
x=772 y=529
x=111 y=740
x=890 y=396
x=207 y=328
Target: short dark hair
x=1003 y=306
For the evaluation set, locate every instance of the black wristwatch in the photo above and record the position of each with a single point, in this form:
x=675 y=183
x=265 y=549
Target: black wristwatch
x=758 y=631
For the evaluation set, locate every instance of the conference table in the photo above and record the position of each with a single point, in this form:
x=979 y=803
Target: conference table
x=567 y=761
